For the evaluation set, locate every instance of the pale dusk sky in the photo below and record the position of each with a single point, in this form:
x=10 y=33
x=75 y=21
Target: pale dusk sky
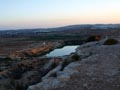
x=18 y=14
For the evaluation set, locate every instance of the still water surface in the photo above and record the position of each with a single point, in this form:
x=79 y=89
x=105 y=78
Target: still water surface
x=66 y=50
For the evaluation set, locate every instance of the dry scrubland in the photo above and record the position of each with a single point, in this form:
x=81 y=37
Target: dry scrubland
x=94 y=65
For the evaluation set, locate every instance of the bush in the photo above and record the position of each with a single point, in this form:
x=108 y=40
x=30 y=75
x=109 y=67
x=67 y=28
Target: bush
x=94 y=38
x=110 y=42
x=75 y=57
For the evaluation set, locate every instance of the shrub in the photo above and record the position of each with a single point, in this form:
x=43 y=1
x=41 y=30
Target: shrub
x=110 y=42
x=75 y=57
x=94 y=38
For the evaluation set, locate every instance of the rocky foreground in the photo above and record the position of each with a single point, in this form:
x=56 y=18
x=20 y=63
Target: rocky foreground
x=94 y=66
x=98 y=68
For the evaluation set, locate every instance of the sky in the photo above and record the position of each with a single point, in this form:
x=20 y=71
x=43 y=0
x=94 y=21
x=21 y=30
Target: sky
x=18 y=14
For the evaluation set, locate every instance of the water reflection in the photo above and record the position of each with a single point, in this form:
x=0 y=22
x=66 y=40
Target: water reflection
x=66 y=50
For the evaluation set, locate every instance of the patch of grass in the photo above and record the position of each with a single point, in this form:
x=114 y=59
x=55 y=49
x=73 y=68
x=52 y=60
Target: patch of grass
x=110 y=42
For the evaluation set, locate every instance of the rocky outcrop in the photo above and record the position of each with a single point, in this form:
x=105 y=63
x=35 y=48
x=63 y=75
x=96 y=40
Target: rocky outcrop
x=52 y=83
x=99 y=69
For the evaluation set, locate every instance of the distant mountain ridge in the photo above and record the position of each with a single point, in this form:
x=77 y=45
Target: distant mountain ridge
x=64 y=28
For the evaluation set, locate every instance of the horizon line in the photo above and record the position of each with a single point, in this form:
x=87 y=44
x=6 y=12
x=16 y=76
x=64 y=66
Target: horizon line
x=58 y=26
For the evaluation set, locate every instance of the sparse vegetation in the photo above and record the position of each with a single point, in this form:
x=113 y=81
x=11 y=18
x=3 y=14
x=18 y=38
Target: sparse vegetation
x=14 y=85
x=30 y=69
x=64 y=64
x=75 y=57
x=53 y=75
x=110 y=42
x=54 y=65
x=8 y=58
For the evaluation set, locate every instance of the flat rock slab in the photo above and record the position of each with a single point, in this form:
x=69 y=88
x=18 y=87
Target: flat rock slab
x=99 y=71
